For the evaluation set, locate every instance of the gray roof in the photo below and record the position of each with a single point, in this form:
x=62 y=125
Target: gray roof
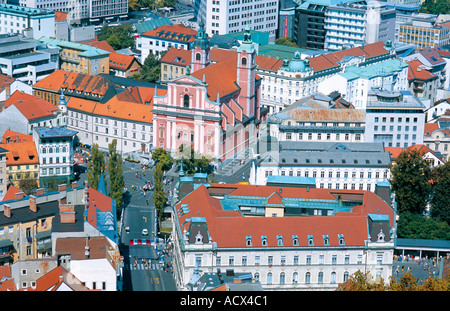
x=24 y=214
x=52 y=132
x=327 y=154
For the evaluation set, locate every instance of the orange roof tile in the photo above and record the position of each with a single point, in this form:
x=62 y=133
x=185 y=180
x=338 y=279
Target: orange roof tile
x=121 y=61
x=30 y=106
x=180 y=57
x=85 y=105
x=177 y=32
x=21 y=153
x=429 y=128
x=12 y=136
x=393 y=151
x=330 y=60
x=228 y=228
x=11 y=193
x=53 y=81
x=416 y=73
x=103 y=45
x=4 y=80
x=60 y=16
x=52 y=280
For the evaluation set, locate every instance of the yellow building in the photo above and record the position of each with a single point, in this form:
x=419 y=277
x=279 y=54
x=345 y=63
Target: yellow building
x=424 y=36
x=81 y=58
x=22 y=163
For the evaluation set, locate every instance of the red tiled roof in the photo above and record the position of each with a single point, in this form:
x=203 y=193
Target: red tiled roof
x=98 y=247
x=180 y=57
x=429 y=128
x=121 y=61
x=393 y=151
x=416 y=73
x=13 y=136
x=73 y=81
x=30 y=106
x=4 y=79
x=21 y=153
x=52 y=280
x=330 y=60
x=60 y=16
x=11 y=193
x=177 y=32
x=229 y=228
x=102 y=45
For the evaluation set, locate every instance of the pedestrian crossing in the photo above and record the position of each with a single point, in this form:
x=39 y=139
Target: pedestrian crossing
x=142 y=266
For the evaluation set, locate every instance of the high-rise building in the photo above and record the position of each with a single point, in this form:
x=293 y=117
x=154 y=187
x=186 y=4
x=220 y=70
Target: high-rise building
x=229 y=16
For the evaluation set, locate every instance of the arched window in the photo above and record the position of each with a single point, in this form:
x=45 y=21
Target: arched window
x=198 y=56
x=307 y=278
x=282 y=278
x=269 y=278
x=320 y=279
x=295 y=278
x=333 y=277
x=346 y=276
x=244 y=61
x=186 y=101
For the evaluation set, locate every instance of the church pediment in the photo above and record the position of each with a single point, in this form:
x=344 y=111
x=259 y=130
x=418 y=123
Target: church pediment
x=187 y=80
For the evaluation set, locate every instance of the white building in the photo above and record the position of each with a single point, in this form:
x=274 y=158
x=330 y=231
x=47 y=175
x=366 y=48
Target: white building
x=332 y=165
x=303 y=76
x=126 y=117
x=81 y=11
x=90 y=260
x=349 y=24
x=299 y=241
x=22 y=60
x=55 y=151
x=395 y=119
x=222 y=17
x=15 y=19
x=355 y=82
x=318 y=118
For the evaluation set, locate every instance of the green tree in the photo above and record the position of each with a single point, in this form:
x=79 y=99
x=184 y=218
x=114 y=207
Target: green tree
x=150 y=71
x=162 y=156
x=96 y=166
x=193 y=162
x=360 y=281
x=116 y=181
x=287 y=41
x=159 y=194
x=440 y=195
x=414 y=226
x=118 y=37
x=411 y=174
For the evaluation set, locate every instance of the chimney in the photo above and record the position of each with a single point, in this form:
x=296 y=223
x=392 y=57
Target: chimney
x=67 y=213
x=86 y=248
x=62 y=200
x=17 y=138
x=20 y=195
x=33 y=206
x=62 y=187
x=39 y=191
x=7 y=211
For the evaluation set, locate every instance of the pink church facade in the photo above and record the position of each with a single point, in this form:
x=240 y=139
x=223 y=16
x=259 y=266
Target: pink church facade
x=215 y=108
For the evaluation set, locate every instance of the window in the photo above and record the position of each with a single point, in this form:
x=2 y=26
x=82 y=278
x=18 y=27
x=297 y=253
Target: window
x=295 y=240
x=198 y=56
x=326 y=240
x=333 y=277
x=231 y=260
x=186 y=101
x=341 y=239
x=320 y=278
x=269 y=278
x=279 y=240
x=264 y=240
x=310 y=240
x=282 y=278
x=248 y=241
x=308 y=277
x=244 y=61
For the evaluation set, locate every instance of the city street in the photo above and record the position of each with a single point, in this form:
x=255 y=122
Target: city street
x=143 y=268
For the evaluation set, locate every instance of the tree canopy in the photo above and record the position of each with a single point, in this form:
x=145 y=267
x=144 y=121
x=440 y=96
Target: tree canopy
x=119 y=37
x=193 y=162
x=163 y=157
x=287 y=41
x=435 y=7
x=410 y=181
x=96 y=166
x=116 y=180
x=151 y=69
x=440 y=194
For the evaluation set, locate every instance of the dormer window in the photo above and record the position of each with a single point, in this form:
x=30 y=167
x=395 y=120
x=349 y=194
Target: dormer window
x=381 y=236
x=341 y=239
x=326 y=240
x=295 y=240
x=279 y=240
x=264 y=240
x=310 y=240
x=248 y=240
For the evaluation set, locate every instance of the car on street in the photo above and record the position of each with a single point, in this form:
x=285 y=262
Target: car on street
x=144 y=232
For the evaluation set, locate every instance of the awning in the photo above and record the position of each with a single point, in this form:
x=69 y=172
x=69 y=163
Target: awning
x=43 y=234
x=5 y=243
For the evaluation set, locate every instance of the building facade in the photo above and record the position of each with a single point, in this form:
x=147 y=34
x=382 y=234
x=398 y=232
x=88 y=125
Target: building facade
x=80 y=58
x=349 y=25
x=215 y=108
x=332 y=165
x=394 y=118
x=298 y=242
x=22 y=60
x=222 y=17
x=55 y=151
x=16 y=19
